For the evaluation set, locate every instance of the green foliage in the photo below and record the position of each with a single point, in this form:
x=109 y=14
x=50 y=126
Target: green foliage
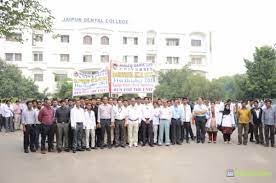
x=64 y=89
x=13 y=84
x=261 y=73
x=17 y=15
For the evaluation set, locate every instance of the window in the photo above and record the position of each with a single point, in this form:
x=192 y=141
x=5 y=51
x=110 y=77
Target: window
x=135 y=40
x=14 y=37
x=38 y=38
x=87 y=40
x=87 y=58
x=37 y=56
x=172 y=42
x=38 y=77
x=60 y=77
x=9 y=56
x=104 y=58
x=64 y=57
x=124 y=40
x=196 y=61
x=104 y=40
x=196 y=42
x=151 y=58
x=13 y=56
x=64 y=38
x=17 y=57
x=172 y=60
x=135 y=59
x=125 y=59
x=150 y=41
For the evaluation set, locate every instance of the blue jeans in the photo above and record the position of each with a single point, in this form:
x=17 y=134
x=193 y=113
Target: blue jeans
x=9 y=124
x=37 y=132
x=78 y=136
x=164 y=126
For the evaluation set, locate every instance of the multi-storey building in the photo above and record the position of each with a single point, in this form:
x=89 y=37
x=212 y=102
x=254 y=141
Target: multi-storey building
x=49 y=58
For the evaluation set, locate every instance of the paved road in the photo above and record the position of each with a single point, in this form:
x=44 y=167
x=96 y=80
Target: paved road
x=176 y=164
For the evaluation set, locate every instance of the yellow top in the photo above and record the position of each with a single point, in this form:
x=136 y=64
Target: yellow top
x=244 y=115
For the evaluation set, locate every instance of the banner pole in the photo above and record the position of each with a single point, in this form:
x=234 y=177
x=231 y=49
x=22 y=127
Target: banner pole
x=109 y=78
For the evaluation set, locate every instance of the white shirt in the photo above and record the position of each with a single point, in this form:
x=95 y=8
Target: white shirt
x=147 y=112
x=119 y=113
x=90 y=120
x=7 y=111
x=156 y=119
x=76 y=116
x=134 y=113
x=226 y=120
x=165 y=113
x=200 y=108
x=1 y=108
x=36 y=116
x=187 y=114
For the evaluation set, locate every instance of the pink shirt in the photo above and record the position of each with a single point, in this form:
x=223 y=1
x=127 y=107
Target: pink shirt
x=17 y=109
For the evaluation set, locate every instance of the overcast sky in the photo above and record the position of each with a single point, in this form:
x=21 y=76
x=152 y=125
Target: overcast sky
x=237 y=25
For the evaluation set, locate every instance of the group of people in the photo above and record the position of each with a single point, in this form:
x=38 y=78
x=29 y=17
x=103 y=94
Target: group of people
x=85 y=124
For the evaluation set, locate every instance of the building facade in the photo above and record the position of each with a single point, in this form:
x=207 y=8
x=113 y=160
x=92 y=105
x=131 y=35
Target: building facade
x=49 y=58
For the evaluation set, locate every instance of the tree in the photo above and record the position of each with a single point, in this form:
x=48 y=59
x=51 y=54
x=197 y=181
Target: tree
x=261 y=73
x=179 y=83
x=14 y=84
x=17 y=15
x=64 y=89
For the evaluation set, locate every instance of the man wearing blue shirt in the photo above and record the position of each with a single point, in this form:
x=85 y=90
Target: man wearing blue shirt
x=176 y=123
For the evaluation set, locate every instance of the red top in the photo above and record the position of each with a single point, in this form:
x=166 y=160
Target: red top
x=46 y=115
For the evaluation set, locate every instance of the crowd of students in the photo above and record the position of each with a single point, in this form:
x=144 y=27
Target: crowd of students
x=85 y=124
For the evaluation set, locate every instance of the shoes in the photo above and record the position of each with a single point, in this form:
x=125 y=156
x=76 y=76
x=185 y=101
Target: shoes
x=33 y=150
x=151 y=145
x=74 y=151
x=136 y=145
x=26 y=151
x=94 y=148
x=67 y=150
x=187 y=142
x=43 y=152
x=88 y=149
x=123 y=146
x=51 y=150
x=129 y=145
x=266 y=145
x=239 y=143
x=59 y=150
x=109 y=147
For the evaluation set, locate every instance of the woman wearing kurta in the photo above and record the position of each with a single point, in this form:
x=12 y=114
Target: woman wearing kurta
x=227 y=122
x=211 y=125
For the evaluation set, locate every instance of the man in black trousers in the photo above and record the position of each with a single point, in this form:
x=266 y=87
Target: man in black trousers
x=256 y=113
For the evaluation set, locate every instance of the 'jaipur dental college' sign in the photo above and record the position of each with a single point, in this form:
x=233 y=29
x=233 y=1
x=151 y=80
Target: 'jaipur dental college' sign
x=94 y=20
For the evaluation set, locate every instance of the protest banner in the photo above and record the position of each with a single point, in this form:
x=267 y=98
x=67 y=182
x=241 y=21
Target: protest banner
x=132 y=78
x=88 y=84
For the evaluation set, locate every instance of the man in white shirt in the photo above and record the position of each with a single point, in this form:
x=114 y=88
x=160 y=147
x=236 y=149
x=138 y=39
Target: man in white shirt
x=120 y=120
x=8 y=116
x=200 y=111
x=186 y=119
x=1 y=116
x=134 y=119
x=165 y=121
x=90 y=126
x=77 y=120
x=147 y=128
x=28 y=122
x=139 y=104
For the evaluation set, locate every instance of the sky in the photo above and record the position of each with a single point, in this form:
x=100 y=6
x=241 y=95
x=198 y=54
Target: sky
x=237 y=26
